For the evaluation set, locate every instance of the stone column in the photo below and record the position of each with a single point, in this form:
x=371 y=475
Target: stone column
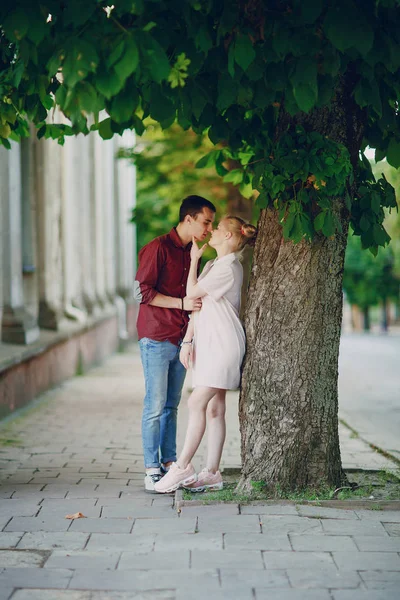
x=108 y=175
x=72 y=241
x=18 y=326
x=98 y=212
x=48 y=164
x=125 y=201
x=86 y=223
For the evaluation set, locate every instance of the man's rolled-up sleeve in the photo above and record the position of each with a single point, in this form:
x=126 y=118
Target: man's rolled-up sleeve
x=150 y=265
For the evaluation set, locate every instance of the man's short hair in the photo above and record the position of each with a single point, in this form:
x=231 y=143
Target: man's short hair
x=193 y=205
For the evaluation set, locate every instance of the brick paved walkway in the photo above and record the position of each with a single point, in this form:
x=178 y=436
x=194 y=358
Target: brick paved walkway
x=80 y=451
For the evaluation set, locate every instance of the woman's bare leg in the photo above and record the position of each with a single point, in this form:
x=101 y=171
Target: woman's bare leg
x=197 y=405
x=216 y=430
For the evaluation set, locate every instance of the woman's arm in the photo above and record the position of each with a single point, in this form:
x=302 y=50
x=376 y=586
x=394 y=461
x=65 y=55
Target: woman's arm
x=185 y=355
x=193 y=290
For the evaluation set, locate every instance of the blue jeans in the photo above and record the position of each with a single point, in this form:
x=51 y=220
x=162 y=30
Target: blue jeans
x=164 y=376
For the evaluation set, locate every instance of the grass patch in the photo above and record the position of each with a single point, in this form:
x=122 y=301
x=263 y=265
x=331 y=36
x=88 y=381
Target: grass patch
x=7 y=441
x=382 y=485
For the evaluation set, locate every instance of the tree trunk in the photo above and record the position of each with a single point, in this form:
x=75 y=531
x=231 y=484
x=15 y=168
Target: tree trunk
x=366 y=319
x=288 y=405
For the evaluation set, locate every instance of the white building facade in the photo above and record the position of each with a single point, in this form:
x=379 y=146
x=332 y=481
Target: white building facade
x=67 y=259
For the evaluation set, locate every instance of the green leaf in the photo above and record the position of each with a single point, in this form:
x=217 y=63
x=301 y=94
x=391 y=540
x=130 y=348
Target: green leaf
x=364 y=223
x=304 y=82
x=379 y=235
x=203 y=40
x=161 y=107
x=108 y=83
x=124 y=105
x=105 y=130
x=16 y=25
x=227 y=92
x=306 y=96
x=288 y=225
x=115 y=54
x=375 y=202
x=244 y=51
x=235 y=176
x=346 y=27
x=130 y=60
x=138 y=125
x=153 y=57
x=208 y=160
x=328 y=228
x=319 y=220
x=393 y=153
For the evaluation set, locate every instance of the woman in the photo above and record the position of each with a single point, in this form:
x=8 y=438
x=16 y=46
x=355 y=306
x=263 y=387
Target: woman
x=215 y=345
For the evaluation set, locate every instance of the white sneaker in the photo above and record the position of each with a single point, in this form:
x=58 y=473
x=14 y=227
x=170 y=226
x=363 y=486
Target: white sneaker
x=151 y=478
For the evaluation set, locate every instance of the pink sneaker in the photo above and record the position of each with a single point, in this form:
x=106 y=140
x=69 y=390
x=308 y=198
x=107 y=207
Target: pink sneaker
x=206 y=480
x=175 y=478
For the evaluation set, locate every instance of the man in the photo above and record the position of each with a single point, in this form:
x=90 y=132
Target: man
x=160 y=287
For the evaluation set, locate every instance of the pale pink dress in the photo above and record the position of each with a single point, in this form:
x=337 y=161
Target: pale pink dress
x=219 y=339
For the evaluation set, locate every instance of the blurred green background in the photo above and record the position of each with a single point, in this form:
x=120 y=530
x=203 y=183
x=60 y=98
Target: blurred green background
x=166 y=173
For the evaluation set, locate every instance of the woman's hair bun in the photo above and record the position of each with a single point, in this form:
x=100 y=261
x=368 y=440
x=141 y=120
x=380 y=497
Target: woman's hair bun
x=250 y=233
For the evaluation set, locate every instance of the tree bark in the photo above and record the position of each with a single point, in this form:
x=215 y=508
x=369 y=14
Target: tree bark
x=288 y=407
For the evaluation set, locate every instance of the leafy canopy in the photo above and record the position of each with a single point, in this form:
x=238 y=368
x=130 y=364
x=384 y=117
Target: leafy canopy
x=237 y=69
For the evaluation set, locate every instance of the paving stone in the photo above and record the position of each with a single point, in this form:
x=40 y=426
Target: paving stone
x=35 y=578
x=278 y=525
x=10 y=540
x=256 y=541
x=159 y=561
x=296 y=560
x=133 y=511
x=265 y=594
x=51 y=595
x=381 y=579
x=20 y=558
x=231 y=578
x=68 y=505
x=241 y=593
x=78 y=595
x=219 y=510
x=91 y=512
x=44 y=540
x=84 y=559
x=326 y=513
x=202 y=559
x=18 y=508
x=38 y=524
x=39 y=494
x=323 y=577
x=143 y=580
x=392 y=529
x=323 y=543
x=122 y=541
x=353 y=527
x=384 y=516
x=249 y=523
x=362 y=561
x=377 y=544
x=365 y=594
x=185 y=541
x=268 y=509
x=127 y=503
x=102 y=525
x=6 y=592
x=167 y=525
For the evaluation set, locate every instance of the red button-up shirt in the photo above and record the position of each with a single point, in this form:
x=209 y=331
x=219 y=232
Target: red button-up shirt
x=163 y=268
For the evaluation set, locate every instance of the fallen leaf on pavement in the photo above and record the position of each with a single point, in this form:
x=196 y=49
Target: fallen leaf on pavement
x=77 y=515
